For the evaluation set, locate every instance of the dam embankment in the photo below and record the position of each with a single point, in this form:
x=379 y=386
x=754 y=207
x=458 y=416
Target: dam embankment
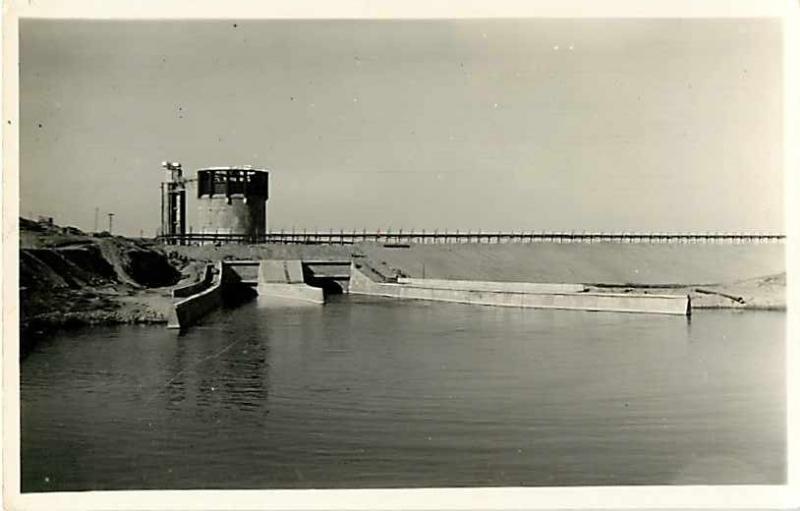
x=606 y=263
x=747 y=275
x=68 y=277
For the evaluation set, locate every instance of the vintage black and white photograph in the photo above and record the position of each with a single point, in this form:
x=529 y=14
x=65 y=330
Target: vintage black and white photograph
x=401 y=253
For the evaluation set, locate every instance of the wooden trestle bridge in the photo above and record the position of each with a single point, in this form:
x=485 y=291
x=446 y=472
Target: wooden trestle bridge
x=401 y=237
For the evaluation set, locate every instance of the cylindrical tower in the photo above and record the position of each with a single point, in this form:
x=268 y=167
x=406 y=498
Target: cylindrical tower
x=232 y=200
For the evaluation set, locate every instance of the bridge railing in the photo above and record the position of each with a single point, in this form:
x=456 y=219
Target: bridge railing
x=445 y=237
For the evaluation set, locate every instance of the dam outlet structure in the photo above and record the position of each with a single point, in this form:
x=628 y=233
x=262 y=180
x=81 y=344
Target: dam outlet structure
x=232 y=201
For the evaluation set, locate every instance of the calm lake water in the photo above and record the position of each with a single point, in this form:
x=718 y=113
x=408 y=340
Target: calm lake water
x=379 y=393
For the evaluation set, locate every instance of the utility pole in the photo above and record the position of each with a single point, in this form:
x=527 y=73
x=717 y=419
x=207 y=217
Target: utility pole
x=96 y=212
x=110 y=222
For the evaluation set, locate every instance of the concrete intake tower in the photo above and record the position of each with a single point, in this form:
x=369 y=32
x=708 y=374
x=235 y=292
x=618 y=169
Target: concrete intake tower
x=232 y=200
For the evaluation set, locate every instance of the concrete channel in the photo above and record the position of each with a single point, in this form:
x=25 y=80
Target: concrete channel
x=518 y=294
x=287 y=281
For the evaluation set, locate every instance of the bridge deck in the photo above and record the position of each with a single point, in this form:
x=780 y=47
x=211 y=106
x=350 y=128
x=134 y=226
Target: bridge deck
x=423 y=237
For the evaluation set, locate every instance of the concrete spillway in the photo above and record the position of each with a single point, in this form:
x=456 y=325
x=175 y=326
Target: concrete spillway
x=284 y=281
x=278 y=280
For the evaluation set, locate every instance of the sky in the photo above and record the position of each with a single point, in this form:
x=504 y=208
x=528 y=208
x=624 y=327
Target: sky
x=516 y=124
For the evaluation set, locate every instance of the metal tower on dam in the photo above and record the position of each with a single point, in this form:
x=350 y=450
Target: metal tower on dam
x=173 y=200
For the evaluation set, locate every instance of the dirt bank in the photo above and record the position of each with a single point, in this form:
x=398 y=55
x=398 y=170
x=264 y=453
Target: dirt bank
x=68 y=277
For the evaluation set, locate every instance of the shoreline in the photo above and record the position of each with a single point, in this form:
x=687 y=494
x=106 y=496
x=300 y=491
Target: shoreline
x=151 y=306
x=69 y=278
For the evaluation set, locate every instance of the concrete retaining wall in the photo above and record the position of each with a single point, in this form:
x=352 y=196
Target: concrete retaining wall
x=193 y=308
x=612 y=302
x=284 y=280
x=511 y=287
x=195 y=287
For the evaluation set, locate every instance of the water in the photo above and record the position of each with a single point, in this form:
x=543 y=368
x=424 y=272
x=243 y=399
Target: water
x=378 y=393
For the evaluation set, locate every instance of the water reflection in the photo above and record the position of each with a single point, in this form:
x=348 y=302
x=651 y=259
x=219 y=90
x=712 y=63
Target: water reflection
x=221 y=366
x=376 y=393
